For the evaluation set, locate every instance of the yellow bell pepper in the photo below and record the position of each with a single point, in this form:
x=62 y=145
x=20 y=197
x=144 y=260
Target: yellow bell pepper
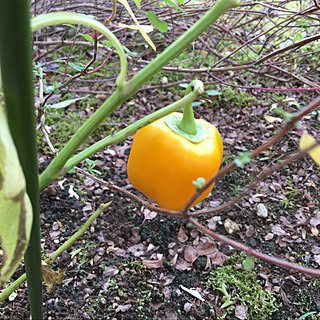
x=164 y=164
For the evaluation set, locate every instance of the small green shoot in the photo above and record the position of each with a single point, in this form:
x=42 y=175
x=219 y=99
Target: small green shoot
x=91 y=164
x=224 y=291
x=242 y=159
x=287 y=115
x=199 y=183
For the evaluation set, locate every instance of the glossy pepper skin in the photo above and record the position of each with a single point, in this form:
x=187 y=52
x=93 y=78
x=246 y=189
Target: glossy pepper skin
x=163 y=165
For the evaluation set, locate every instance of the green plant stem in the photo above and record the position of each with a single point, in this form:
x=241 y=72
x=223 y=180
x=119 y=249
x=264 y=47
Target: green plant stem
x=187 y=123
x=17 y=80
x=78 y=234
x=124 y=133
x=14 y=285
x=220 y=7
x=55 y=169
x=55 y=18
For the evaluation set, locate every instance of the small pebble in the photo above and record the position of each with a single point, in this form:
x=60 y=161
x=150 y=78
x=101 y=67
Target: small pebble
x=262 y=211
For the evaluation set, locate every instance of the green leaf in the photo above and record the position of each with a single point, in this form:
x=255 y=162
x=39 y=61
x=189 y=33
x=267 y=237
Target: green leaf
x=160 y=25
x=287 y=115
x=132 y=54
x=87 y=37
x=138 y=3
x=171 y=3
x=79 y=68
x=108 y=43
x=63 y=104
x=213 y=93
x=127 y=6
x=70 y=26
x=248 y=263
x=15 y=206
x=196 y=103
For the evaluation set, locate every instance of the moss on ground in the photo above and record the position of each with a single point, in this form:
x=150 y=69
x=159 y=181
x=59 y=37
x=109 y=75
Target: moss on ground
x=245 y=290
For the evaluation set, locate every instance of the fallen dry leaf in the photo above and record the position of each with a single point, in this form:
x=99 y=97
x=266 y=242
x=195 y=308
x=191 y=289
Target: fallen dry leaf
x=212 y=223
x=187 y=307
x=218 y=259
x=182 y=235
x=314 y=231
x=190 y=254
x=110 y=271
x=276 y=229
x=171 y=315
x=50 y=277
x=193 y=292
x=137 y=250
x=241 y=312
x=315 y=220
x=153 y=264
x=269 y=236
x=206 y=249
x=316 y=258
x=315 y=250
x=231 y=226
x=182 y=265
x=123 y=308
x=149 y=215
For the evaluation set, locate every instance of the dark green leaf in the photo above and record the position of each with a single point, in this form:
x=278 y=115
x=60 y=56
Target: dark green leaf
x=160 y=25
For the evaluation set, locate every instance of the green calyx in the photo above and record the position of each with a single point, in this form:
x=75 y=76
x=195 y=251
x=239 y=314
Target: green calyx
x=185 y=125
x=173 y=121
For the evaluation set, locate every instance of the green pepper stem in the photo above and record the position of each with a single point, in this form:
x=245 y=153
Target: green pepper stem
x=187 y=123
x=198 y=90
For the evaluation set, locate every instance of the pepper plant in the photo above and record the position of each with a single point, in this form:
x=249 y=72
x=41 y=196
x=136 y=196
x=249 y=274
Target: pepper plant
x=17 y=121
x=20 y=182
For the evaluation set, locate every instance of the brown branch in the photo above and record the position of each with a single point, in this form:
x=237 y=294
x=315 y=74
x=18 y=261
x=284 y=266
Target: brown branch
x=260 y=178
x=109 y=185
x=254 y=253
x=310 y=107
x=295 y=45
x=78 y=75
x=307 y=10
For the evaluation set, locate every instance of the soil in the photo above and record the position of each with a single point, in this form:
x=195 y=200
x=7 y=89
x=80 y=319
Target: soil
x=136 y=264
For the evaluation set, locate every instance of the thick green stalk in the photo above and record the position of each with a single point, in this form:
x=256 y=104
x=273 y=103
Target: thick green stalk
x=124 y=133
x=55 y=169
x=17 y=80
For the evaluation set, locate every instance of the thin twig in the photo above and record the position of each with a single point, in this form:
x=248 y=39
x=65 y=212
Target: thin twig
x=303 y=112
x=254 y=253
